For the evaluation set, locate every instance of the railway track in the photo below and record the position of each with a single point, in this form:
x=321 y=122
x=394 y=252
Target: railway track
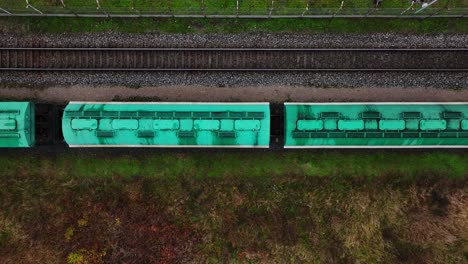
x=238 y=59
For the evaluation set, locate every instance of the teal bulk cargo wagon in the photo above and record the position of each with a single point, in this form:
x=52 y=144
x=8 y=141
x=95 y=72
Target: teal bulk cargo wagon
x=376 y=125
x=131 y=124
x=16 y=124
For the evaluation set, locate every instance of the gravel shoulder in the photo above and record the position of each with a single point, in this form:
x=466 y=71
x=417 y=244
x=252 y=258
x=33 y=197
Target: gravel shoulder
x=443 y=80
x=260 y=40
x=61 y=94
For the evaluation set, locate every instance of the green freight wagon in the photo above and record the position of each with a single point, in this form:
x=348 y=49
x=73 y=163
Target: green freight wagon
x=129 y=124
x=376 y=125
x=16 y=124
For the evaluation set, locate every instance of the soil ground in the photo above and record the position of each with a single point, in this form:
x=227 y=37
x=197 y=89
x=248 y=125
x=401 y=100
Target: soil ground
x=60 y=94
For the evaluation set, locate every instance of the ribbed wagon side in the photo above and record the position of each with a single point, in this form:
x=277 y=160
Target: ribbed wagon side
x=376 y=125
x=157 y=124
x=16 y=125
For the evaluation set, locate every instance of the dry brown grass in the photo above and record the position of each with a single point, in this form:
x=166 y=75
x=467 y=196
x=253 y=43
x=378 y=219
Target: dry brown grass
x=17 y=246
x=438 y=222
x=49 y=218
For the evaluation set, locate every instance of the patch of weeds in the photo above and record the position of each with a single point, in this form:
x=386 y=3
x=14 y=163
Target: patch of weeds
x=69 y=233
x=75 y=258
x=404 y=251
x=5 y=237
x=83 y=256
x=439 y=203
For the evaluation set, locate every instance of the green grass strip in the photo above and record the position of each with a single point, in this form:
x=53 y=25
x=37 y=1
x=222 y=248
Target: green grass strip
x=228 y=164
x=180 y=25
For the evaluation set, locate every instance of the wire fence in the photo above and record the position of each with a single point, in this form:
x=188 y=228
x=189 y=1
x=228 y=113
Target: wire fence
x=415 y=9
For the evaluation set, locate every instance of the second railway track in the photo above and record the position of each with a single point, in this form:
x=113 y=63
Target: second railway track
x=217 y=59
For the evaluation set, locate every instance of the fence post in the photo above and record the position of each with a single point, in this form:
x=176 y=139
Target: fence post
x=237 y=8
x=271 y=9
x=306 y=9
x=203 y=8
x=437 y=11
x=169 y=4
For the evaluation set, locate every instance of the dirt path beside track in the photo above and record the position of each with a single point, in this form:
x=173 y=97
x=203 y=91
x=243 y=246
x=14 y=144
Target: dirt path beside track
x=233 y=94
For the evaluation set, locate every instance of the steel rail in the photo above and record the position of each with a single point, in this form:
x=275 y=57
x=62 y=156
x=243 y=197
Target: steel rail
x=233 y=70
x=228 y=49
x=232 y=59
